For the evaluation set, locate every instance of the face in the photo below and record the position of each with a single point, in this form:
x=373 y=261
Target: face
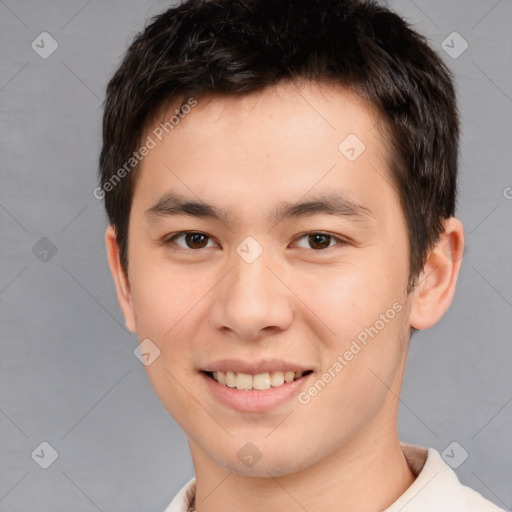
x=295 y=261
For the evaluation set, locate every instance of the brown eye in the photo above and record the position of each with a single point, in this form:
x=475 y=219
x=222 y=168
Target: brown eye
x=196 y=240
x=193 y=240
x=319 y=241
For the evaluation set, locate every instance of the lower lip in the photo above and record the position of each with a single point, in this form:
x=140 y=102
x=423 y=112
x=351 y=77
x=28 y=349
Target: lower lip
x=255 y=400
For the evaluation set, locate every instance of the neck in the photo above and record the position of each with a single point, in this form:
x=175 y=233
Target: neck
x=362 y=476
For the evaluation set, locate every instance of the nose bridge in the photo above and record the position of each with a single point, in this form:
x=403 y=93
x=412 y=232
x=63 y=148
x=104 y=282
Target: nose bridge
x=252 y=298
x=251 y=258
x=251 y=279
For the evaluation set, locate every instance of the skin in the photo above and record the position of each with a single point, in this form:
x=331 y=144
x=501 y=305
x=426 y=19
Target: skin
x=296 y=301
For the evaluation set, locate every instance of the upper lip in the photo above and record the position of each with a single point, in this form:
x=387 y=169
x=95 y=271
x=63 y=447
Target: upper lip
x=254 y=367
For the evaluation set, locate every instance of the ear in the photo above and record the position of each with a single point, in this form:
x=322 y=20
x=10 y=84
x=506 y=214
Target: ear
x=120 y=279
x=436 y=284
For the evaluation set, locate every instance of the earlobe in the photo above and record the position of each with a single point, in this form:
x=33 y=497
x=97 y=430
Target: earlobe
x=436 y=284
x=120 y=279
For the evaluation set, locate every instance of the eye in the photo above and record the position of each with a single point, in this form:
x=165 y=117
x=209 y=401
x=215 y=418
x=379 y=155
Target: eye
x=319 y=240
x=193 y=239
x=316 y=240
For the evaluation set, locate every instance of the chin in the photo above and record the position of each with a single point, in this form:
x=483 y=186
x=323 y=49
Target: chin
x=265 y=463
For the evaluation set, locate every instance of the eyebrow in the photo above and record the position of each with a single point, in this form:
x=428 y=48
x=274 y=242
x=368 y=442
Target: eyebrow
x=335 y=203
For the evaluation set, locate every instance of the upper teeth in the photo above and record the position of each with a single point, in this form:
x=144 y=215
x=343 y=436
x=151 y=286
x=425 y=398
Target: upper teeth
x=260 y=381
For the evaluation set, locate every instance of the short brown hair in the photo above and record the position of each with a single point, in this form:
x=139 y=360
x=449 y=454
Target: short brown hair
x=239 y=46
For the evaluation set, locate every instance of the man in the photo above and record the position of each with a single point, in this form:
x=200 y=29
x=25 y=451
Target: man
x=280 y=181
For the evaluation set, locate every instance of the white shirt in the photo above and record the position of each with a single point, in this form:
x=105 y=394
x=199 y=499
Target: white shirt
x=436 y=488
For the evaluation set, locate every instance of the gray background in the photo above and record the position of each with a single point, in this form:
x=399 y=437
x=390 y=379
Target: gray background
x=68 y=375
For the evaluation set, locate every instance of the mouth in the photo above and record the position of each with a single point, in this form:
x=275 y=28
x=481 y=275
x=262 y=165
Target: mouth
x=256 y=382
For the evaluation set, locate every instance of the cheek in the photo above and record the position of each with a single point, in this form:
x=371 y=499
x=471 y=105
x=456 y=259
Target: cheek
x=365 y=309
x=165 y=313
x=162 y=294
x=350 y=298
x=357 y=378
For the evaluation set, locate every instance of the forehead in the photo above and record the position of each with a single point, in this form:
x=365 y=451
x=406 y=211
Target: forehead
x=275 y=144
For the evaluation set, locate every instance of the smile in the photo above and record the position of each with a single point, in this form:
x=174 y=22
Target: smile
x=260 y=381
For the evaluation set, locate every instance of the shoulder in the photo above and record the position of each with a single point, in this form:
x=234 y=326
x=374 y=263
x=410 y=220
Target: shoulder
x=437 y=487
x=475 y=502
x=183 y=500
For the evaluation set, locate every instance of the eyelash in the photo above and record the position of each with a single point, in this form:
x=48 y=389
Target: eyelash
x=170 y=239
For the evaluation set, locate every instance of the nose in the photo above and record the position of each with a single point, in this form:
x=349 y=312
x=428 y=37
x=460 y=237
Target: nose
x=252 y=302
